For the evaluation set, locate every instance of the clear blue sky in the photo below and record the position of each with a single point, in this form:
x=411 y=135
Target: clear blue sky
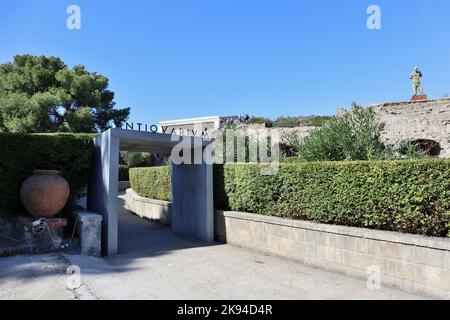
x=169 y=59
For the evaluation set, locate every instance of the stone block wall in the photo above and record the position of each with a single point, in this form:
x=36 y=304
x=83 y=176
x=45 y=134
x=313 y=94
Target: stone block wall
x=403 y=121
x=412 y=263
x=253 y=130
x=428 y=120
x=156 y=210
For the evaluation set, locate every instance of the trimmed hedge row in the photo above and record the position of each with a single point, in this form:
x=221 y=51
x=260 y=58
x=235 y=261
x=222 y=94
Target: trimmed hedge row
x=405 y=196
x=21 y=154
x=152 y=182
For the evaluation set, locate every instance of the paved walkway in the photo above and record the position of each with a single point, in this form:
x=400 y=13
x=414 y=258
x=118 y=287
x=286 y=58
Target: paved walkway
x=34 y=277
x=153 y=263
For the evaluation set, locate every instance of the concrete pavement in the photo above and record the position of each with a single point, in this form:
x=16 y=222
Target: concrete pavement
x=33 y=277
x=153 y=263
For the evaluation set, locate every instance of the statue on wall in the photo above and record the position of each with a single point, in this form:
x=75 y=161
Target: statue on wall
x=417 y=86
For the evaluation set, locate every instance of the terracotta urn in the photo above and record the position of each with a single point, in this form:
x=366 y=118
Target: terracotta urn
x=45 y=193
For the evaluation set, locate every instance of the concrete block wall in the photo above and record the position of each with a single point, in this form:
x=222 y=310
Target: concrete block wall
x=156 y=210
x=412 y=263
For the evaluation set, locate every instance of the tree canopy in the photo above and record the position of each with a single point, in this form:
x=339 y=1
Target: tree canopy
x=41 y=94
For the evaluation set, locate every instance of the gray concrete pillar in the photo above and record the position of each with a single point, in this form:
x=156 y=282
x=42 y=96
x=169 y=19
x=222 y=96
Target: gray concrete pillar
x=103 y=185
x=192 y=212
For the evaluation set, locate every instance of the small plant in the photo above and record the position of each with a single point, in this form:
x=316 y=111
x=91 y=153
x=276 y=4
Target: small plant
x=406 y=150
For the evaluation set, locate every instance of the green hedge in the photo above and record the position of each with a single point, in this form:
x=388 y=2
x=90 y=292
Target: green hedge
x=405 y=196
x=21 y=154
x=152 y=182
x=124 y=173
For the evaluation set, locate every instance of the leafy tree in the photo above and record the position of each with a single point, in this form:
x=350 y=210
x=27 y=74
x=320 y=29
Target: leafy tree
x=81 y=120
x=41 y=94
x=138 y=159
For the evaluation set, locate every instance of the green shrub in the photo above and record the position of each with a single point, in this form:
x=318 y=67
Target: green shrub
x=260 y=120
x=86 y=136
x=411 y=196
x=406 y=150
x=353 y=136
x=301 y=121
x=124 y=174
x=138 y=159
x=152 y=182
x=21 y=154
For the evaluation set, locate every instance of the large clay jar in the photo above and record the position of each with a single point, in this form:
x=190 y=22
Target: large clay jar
x=44 y=193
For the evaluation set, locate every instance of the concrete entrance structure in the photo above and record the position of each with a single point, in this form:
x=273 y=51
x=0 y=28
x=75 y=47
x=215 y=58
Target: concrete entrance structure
x=192 y=197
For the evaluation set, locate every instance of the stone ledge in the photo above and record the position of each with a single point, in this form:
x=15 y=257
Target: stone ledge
x=87 y=216
x=389 y=236
x=135 y=196
x=412 y=263
x=88 y=227
x=152 y=201
x=399 y=103
x=152 y=209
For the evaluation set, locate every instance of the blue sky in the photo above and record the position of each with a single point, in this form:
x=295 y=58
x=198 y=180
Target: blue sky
x=171 y=59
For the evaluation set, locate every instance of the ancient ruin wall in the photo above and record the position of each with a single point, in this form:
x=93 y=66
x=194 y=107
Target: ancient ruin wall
x=403 y=121
x=253 y=130
x=416 y=120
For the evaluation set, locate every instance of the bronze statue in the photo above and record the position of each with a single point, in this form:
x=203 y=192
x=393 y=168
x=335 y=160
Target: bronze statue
x=417 y=86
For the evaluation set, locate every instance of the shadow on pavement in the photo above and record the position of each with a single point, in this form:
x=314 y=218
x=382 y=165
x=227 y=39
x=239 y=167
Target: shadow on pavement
x=139 y=238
